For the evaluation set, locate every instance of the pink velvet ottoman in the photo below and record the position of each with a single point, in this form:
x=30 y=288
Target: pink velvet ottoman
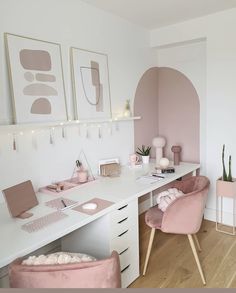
x=97 y=274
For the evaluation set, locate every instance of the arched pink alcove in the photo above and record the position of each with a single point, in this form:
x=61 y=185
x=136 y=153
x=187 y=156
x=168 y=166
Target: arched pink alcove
x=170 y=107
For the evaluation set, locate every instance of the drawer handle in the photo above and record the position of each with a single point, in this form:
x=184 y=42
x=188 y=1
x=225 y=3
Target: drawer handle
x=120 y=209
x=125 y=269
x=122 y=234
x=124 y=251
x=122 y=221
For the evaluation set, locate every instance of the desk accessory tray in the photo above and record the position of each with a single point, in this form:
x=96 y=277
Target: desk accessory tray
x=68 y=185
x=101 y=205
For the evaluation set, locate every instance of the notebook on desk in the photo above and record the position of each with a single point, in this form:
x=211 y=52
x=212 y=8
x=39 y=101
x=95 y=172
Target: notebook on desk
x=149 y=179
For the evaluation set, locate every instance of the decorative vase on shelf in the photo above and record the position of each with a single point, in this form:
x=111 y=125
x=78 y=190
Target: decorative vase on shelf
x=127 y=111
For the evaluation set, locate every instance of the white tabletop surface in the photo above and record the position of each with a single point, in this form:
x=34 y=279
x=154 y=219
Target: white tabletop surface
x=14 y=242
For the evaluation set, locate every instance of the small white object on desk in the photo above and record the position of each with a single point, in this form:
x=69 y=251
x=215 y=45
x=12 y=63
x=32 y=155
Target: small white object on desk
x=90 y=206
x=136 y=166
x=164 y=163
x=151 y=179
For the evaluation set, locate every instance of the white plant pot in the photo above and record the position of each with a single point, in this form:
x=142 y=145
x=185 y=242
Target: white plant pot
x=145 y=159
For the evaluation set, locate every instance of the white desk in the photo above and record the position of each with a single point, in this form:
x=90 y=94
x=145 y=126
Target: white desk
x=123 y=190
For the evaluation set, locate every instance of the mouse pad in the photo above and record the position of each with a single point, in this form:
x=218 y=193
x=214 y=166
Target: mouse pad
x=101 y=205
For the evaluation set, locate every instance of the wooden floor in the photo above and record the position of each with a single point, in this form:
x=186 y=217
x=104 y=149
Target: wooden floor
x=172 y=264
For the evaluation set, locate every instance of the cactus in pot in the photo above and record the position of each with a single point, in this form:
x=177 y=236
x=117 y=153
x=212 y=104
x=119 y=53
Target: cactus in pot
x=227 y=178
x=224 y=178
x=230 y=178
x=144 y=152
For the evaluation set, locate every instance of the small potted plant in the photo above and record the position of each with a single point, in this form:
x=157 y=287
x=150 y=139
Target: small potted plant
x=144 y=152
x=226 y=185
x=81 y=172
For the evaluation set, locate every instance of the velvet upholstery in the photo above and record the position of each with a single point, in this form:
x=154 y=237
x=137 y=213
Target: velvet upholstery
x=184 y=215
x=97 y=274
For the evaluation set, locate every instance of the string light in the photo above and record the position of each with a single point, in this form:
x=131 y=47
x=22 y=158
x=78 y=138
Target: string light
x=63 y=132
x=14 y=145
x=107 y=124
x=110 y=129
x=51 y=140
x=34 y=140
x=117 y=126
x=99 y=132
x=87 y=132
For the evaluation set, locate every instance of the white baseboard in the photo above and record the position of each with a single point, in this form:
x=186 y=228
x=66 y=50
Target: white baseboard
x=210 y=214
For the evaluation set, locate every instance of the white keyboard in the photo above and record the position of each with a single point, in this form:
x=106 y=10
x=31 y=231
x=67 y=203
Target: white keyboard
x=43 y=222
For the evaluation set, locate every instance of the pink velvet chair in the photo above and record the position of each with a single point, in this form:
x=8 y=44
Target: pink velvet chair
x=97 y=274
x=183 y=216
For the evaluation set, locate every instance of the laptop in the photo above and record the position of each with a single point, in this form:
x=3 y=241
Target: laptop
x=20 y=198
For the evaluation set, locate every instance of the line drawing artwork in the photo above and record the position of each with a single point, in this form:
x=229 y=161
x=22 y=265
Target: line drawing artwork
x=90 y=84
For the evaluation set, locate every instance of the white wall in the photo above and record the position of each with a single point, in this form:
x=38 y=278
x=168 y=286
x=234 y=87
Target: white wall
x=219 y=31
x=190 y=59
x=70 y=23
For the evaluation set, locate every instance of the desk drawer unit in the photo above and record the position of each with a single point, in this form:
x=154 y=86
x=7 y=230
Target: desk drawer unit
x=125 y=240
x=117 y=231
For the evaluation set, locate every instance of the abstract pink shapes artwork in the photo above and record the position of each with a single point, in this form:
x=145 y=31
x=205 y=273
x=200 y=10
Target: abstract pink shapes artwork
x=37 y=82
x=35 y=60
x=41 y=106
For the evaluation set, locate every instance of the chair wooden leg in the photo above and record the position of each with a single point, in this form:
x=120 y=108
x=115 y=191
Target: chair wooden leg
x=149 y=250
x=197 y=242
x=190 y=238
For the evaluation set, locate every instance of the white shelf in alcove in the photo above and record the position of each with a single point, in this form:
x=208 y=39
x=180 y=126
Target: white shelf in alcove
x=17 y=128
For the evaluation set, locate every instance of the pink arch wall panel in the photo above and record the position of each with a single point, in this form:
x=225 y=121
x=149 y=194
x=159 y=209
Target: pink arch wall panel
x=169 y=105
x=146 y=105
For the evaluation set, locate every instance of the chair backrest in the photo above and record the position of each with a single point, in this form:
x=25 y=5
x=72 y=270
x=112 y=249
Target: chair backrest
x=98 y=274
x=184 y=215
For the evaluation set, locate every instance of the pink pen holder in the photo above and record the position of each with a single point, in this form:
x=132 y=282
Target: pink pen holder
x=82 y=176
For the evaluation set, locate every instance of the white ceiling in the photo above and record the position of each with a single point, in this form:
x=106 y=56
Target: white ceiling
x=157 y=13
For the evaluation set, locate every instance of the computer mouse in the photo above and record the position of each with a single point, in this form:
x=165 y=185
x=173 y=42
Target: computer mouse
x=90 y=206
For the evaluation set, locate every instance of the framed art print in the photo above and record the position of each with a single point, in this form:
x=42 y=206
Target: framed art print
x=37 y=83
x=90 y=84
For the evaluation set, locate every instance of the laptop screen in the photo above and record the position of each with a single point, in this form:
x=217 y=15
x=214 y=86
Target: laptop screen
x=20 y=198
